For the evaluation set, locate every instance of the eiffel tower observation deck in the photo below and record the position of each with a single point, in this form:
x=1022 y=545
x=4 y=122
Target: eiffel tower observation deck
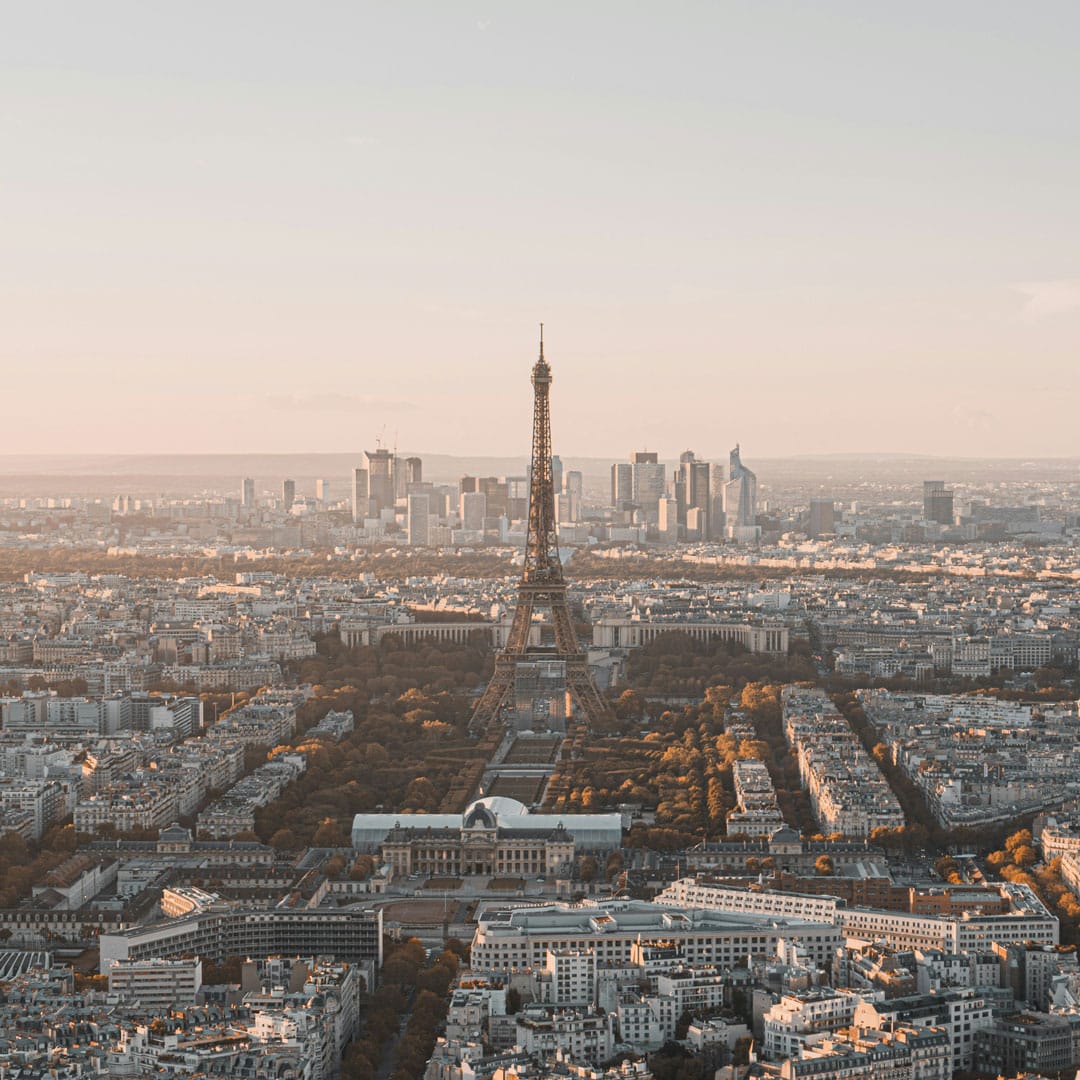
x=542 y=590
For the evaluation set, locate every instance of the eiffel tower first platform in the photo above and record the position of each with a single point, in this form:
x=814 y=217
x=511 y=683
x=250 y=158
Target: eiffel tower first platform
x=542 y=587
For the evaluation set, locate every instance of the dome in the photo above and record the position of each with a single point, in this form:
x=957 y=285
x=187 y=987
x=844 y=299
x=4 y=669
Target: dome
x=479 y=817
x=500 y=806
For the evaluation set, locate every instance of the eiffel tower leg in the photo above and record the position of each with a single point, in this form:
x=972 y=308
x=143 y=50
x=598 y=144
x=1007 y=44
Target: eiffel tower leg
x=501 y=686
x=595 y=710
x=491 y=701
x=566 y=641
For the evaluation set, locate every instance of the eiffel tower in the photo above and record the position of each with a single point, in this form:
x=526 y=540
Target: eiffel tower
x=542 y=585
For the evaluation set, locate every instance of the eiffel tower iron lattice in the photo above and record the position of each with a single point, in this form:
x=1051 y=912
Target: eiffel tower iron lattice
x=542 y=585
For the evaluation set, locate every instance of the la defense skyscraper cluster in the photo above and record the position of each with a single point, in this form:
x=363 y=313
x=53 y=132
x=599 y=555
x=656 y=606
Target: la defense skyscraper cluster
x=542 y=587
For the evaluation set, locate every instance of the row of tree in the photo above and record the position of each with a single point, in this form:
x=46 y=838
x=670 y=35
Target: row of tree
x=408 y=989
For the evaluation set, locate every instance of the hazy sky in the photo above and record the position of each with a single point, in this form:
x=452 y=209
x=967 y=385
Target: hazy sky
x=813 y=226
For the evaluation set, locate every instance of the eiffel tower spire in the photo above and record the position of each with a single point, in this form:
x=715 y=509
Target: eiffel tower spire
x=542 y=585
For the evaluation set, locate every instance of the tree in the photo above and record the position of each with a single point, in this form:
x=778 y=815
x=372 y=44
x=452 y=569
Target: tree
x=329 y=834
x=1018 y=839
x=421 y=795
x=1024 y=855
x=284 y=840
x=587 y=869
x=823 y=865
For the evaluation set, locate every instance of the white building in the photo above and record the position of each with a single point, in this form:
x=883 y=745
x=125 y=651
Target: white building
x=157 y=984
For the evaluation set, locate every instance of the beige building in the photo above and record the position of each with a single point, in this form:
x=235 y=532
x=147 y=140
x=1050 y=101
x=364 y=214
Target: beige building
x=480 y=846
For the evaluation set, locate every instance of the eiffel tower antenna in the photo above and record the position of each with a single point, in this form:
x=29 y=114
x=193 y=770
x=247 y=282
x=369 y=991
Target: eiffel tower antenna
x=542 y=586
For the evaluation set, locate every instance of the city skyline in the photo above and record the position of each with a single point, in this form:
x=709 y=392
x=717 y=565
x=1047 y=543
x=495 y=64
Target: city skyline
x=818 y=231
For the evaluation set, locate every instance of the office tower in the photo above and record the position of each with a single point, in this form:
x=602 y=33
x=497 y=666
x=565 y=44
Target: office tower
x=497 y=492
x=575 y=488
x=468 y=483
x=360 y=500
x=473 y=508
x=622 y=485
x=322 y=492
x=247 y=493
x=717 y=483
x=408 y=472
x=542 y=587
x=288 y=494
x=556 y=473
x=382 y=486
x=740 y=495
x=937 y=502
x=681 y=482
x=698 y=491
x=418 y=520
x=517 y=497
x=697 y=523
x=822 y=517
x=692 y=489
x=667 y=520
x=648 y=484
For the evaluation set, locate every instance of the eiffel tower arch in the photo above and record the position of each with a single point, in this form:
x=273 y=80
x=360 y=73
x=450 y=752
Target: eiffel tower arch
x=542 y=587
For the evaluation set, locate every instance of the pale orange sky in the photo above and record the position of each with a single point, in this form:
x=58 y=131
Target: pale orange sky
x=291 y=227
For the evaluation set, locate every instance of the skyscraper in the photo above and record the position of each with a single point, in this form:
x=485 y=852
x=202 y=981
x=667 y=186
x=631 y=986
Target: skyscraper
x=247 y=493
x=740 y=496
x=288 y=494
x=668 y=520
x=822 y=517
x=648 y=484
x=322 y=492
x=556 y=473
x=622 y=485
x=382 y=490
x=937 y=502
x=414 y=471
x=574 y=484
x=473 y=509
x=418 y=520
x=692 y=490
x=360 y=500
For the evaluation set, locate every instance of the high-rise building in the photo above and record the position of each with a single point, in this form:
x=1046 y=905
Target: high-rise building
x=322 y=492
x=382 y=481
x=418 y=520
x=288 y=494
x=667 y=520
x=937 y=502
x=414 y=471
x=622 y=485
x=473 y=508
x=556 y=473
x=822 y=517
x=648 y=484
x=574 y=488
x=496 y=491
x=360 y=501
x=517 y=497
x=247 y=493
x=740 y=495
x=692 y=490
